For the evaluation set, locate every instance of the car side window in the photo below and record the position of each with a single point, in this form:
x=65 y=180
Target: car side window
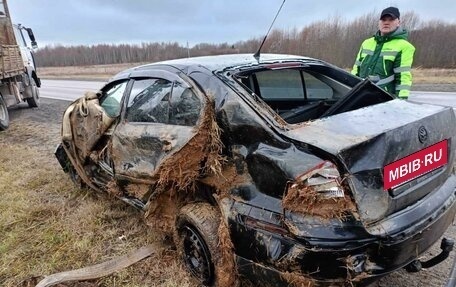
x=185 y=106
x=111 y=99
x=280 y=85
x=161 y=101
x=149 y=101
x=316 y=89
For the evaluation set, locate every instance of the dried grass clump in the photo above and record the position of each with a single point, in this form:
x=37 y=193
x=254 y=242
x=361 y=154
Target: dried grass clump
x=297 y=280
x=305 y=200
x=179 y=173
x=226 y=270
x=200 y=156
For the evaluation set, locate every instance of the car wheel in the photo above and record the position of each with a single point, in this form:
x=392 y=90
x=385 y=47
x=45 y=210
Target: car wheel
x=197 y=240
x=4 y=117
x=34 y=94
x=75 y=178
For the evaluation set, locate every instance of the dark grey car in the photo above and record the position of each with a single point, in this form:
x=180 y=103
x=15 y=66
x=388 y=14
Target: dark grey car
x=283 y=169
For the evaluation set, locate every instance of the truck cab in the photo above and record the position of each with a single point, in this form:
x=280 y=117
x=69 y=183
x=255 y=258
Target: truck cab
x=26 y=50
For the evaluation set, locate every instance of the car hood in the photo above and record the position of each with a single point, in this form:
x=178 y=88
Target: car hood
x=363 y=141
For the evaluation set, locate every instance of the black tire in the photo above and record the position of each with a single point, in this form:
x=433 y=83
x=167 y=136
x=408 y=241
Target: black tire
x=32 y=90
x=75 y=178
x=4 y=116
x=197 y=240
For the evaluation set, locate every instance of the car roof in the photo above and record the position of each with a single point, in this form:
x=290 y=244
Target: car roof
x=214 y=63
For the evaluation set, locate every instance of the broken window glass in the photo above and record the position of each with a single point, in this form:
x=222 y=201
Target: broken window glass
x=185 y=106
x=149 y=101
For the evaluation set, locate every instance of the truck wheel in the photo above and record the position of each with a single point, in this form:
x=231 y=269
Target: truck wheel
x=34 y=100
x=197 y=240
x=4 y=117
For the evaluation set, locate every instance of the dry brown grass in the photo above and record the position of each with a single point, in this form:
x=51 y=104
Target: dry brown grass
x=48 y=226
x=95 y=72
x=104 y=72
x=434 y=76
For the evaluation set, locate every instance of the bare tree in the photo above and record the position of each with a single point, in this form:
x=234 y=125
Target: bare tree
x=334 y=40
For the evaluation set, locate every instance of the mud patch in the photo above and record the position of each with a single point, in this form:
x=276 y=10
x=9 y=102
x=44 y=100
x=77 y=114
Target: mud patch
x=113 y=189
x=200 y=156
x=226 y=270
x=297 y=280
x=162 y=210
x=228 y=179
x=138 y=190
x=177 y=176
x=305 y=200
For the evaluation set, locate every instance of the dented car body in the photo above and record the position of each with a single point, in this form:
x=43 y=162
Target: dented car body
x=317 y=177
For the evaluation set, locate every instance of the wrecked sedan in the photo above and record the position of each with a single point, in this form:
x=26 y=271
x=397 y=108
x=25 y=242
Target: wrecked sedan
x=283 y=169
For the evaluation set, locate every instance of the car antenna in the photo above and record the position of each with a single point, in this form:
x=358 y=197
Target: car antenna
x=257 y=54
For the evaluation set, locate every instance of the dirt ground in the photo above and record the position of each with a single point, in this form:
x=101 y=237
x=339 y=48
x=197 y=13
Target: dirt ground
x=43 y=133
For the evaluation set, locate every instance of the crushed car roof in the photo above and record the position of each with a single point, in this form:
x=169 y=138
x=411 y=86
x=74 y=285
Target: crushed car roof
x=216 y=62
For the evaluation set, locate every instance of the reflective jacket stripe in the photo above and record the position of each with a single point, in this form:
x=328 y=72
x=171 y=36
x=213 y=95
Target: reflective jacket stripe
x=385 y=80
x=403 y=87
x=367 y=52
x=404 y=91
x=374 y=78
x=389 y=53
x=402 y=69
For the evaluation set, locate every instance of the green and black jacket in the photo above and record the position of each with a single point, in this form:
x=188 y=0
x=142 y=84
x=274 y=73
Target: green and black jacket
x=387 y=61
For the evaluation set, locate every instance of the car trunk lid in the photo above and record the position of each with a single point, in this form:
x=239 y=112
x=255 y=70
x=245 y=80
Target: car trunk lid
x=365 y=142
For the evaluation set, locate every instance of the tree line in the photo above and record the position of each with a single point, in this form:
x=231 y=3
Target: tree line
x=334 y=40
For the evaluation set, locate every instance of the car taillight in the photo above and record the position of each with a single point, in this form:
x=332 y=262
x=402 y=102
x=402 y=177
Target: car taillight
x=324 y=179
x=319 y=192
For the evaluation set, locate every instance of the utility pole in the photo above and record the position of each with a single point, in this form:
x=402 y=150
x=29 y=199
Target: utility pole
x=188 y=51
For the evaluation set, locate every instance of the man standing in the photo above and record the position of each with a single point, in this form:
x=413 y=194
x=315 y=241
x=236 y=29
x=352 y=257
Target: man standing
x=386 y=58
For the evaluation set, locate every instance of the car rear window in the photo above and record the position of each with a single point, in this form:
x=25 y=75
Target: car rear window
x=316 y=89
x=280 y=85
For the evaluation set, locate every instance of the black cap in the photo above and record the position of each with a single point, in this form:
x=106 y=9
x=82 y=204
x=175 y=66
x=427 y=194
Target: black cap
x=391 y=11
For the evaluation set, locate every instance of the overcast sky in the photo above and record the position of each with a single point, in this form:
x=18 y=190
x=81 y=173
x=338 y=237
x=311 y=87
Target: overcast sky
x=74 y=22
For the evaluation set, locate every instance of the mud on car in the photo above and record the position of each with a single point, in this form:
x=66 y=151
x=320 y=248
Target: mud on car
x=283 y=169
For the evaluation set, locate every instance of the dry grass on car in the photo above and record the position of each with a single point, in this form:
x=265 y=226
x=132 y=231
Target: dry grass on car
x=48 y=226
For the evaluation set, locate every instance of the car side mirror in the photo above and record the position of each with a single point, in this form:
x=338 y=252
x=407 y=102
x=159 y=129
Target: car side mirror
x=32 y=37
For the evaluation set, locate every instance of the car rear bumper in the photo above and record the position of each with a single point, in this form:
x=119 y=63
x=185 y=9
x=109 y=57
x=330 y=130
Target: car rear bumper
x=360 y=262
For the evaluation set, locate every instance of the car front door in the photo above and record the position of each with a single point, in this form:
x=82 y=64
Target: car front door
x=159 y=118
x=86 y=122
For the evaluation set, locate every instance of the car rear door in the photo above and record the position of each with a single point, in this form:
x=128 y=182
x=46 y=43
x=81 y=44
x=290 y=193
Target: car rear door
x=159 y=118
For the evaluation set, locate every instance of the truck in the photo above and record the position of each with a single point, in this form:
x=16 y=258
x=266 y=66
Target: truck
x=19 y=81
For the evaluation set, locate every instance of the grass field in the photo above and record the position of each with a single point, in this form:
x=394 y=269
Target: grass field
x=47 y=225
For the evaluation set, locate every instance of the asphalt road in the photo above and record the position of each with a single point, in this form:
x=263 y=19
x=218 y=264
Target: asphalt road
x=68 y=90
x=71 y=90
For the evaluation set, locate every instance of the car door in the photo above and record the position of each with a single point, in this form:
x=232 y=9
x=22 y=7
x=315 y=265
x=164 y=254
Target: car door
x=159 y=118
x=91 y=115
